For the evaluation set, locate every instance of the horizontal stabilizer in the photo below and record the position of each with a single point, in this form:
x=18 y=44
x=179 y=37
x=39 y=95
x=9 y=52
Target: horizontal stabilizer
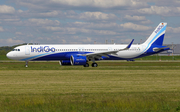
x=156 y=49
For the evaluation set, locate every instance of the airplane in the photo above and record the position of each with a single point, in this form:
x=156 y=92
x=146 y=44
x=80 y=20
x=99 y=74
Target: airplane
x=82 y=54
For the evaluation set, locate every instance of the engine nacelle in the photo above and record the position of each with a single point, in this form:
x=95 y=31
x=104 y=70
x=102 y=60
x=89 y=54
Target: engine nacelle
x=78 y=60
x=65 y=62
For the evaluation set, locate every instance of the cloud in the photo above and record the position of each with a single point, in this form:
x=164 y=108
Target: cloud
x=10 y=20
x=135 y=27
x=172 y=3
x=126 y=40
x=92 y=25
x=163 y=11
x=20 y=11
x=99 y=3
x=97 y=16
x=83 y=5
x=32 y=23
x=10 y=41
x=85 y=39
x=19 y=33
x=54 y=13
x=1 y=29
x=135 y=18
x=75 y=30
x=53 y=28
x=6 y=9
x=146 y=22
x=173 y=30
x=42 y=22
x=91 y=16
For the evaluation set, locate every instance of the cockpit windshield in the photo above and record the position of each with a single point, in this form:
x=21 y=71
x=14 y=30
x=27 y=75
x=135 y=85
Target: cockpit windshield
x=16 y=49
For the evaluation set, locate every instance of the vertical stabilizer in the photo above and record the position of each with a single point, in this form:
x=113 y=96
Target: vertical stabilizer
x=157 y=37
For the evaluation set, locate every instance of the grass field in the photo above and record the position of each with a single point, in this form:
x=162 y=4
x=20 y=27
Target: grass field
x=3 y=57
x=112 y=86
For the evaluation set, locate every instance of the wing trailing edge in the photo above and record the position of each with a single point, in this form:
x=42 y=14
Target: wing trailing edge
x=105 y=54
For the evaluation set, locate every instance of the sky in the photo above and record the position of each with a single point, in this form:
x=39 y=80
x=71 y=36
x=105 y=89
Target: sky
x=86 y=21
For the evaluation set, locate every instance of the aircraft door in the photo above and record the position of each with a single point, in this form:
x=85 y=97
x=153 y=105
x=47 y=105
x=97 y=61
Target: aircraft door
x=27 y=50
x=81 y=50
x=109 y=49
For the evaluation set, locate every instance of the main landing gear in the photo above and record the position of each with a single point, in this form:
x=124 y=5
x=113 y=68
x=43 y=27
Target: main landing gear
x=93 y=65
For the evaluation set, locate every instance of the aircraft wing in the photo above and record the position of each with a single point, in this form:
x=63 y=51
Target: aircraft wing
x=105 y=54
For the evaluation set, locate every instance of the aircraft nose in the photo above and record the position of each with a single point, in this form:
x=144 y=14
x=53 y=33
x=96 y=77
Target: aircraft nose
x=9 y=55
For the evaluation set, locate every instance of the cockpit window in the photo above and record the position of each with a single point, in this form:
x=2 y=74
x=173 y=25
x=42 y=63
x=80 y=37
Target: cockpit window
x=16 y=49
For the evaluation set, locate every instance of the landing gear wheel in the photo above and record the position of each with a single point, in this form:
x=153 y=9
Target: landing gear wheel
x=94 y=64
x=86 y=65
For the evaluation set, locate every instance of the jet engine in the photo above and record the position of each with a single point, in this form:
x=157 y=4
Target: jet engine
x=78 y=60
x=65 y=62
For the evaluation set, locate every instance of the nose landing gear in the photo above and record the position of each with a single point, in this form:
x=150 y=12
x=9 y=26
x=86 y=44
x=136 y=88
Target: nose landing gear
x=26 y=64
x=86 y=65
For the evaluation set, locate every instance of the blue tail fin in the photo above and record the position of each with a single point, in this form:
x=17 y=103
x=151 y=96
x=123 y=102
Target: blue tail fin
x=157 y=37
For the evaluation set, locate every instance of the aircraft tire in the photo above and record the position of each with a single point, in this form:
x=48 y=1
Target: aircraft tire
x=86 y=65
x=94 y=65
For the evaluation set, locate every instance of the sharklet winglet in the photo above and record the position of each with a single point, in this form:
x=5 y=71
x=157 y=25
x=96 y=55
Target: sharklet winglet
x=130 y=44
